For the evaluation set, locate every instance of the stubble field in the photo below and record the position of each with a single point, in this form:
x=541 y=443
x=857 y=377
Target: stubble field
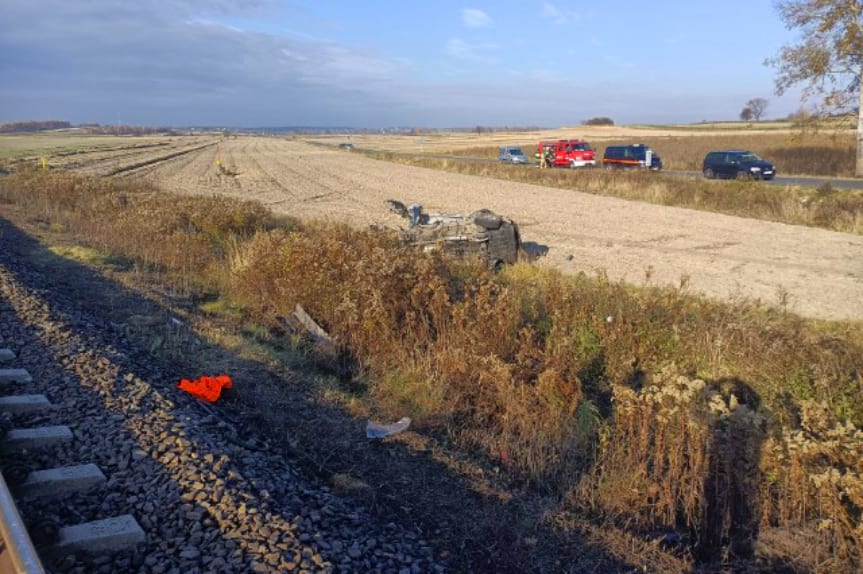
x=813 y=272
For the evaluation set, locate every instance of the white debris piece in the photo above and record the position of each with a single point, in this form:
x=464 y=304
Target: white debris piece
x=377 y=430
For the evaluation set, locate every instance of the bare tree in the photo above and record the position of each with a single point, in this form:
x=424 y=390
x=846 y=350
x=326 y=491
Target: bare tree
x=757 y=106
x=828 y=60
x=746 y=114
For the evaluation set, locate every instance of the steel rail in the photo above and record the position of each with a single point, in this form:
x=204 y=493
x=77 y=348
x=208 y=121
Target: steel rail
x=16 y=548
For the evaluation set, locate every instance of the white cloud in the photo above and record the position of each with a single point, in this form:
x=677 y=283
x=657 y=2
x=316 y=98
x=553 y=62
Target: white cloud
x=474 y=18
x=559 y=16
x=341 y=66
x=461 y=50
x=178 y=65
x=210 y=62
x=296 y=56
x=457 y=48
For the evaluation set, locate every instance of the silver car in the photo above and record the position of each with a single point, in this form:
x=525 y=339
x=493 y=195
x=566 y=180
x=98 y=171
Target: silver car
x=508 y=154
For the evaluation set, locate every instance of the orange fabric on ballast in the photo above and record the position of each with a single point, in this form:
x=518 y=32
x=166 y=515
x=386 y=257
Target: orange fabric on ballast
x=206 y=388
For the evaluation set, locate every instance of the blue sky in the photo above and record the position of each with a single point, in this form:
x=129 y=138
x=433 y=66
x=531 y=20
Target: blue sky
x=380 y=63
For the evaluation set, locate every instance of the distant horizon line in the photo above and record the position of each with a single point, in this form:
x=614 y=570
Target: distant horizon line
x=352 y=129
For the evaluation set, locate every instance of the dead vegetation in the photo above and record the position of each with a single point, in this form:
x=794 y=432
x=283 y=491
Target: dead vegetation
x=705 y=427
x=827 y=153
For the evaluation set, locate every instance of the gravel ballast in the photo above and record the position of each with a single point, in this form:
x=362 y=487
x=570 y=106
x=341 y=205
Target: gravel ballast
x=208 y=495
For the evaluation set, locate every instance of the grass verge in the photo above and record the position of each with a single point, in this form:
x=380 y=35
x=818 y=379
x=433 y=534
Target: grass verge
x=801 y=153
x=645 y=408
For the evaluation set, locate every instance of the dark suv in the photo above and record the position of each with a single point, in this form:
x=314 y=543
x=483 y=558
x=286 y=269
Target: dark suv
x=734 y=163
x=636 y=155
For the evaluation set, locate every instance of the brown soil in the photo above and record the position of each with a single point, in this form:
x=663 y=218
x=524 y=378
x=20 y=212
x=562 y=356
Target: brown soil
x=812 y=272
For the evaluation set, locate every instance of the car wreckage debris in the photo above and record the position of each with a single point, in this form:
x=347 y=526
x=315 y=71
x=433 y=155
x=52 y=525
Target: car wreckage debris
x=494 y=238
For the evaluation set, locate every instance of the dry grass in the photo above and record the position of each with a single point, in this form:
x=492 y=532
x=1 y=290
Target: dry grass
x=185 y=238
x=828 y=154
x=653 y=409
x=19 y=146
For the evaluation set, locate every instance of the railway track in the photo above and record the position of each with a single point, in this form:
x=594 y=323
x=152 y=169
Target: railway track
x=152 y=480
x=18 y=553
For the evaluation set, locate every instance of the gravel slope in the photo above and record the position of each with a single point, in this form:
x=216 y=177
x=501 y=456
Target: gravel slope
x=816 y=273
x=210 y=494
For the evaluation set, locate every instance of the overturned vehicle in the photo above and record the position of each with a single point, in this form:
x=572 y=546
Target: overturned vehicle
x=483 y=233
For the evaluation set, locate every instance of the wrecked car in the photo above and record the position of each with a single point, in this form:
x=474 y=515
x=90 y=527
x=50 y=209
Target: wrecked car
x=483 y=233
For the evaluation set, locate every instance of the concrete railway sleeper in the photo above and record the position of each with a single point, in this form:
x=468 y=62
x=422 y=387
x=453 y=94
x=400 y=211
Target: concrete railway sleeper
x=194 y=479
x=18 y=553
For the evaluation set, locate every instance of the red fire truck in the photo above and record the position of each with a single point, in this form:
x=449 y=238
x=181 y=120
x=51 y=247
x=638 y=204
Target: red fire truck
x=567 y=153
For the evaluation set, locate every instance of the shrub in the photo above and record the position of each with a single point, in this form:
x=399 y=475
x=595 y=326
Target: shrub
x=701 y=458
x=185 y=235
x=603 y=121
x=653 y=408
x=814 y=477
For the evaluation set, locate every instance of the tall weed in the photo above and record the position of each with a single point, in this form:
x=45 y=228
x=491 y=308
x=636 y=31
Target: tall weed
x=652 y=407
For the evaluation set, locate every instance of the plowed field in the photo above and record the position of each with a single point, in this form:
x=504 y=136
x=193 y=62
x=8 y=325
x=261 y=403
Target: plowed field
x=813 y=272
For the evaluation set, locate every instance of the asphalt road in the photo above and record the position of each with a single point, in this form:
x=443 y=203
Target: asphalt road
x=801 y=180
x=795 y=180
